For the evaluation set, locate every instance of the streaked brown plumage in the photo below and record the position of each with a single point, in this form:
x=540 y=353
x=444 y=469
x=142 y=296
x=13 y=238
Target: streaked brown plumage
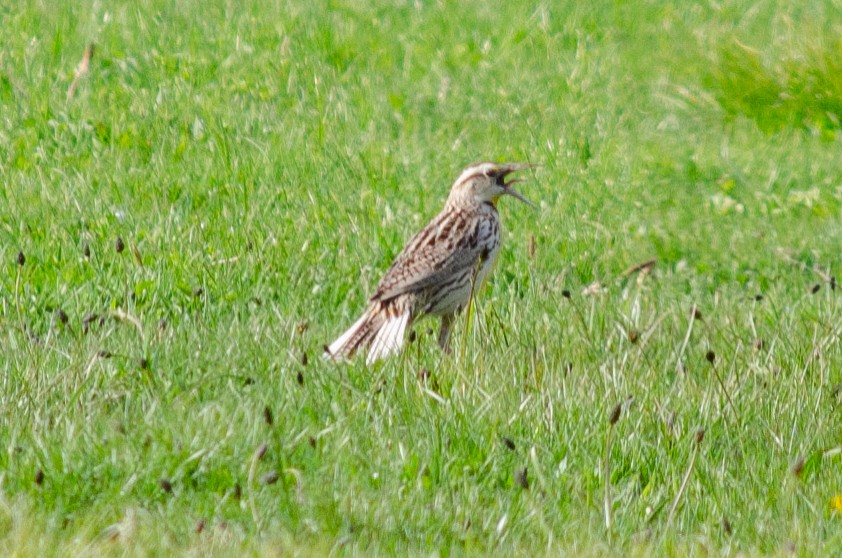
x=436 y=271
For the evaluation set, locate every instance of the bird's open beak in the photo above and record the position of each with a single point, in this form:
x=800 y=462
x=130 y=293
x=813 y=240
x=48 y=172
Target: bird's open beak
x=507 y=186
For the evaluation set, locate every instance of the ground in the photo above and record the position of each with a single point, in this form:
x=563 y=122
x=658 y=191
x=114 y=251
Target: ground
x=195 y=205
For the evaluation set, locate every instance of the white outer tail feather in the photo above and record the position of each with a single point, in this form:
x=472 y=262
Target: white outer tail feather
x=389 y=338
x=384 y=339
x=336 y=348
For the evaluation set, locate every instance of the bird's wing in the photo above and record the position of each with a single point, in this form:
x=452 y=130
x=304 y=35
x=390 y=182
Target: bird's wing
x=447 y=246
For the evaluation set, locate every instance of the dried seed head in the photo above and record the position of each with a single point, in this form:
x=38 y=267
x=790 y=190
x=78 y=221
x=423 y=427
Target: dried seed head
x=238 y=491
x=39 y=477
x=165 y=485
x=270 y=478
x=615 y=414
x=143 y=363
x=424 y=375
x=62 y=316
x=726 y=526
x=299 y=377
x=261 y=451
x=531 y=246
x=566 y=294
x=302 y=327
x=833 y=283
x=695 y=313
x=671 y=421
x=758 y=298
x=816 y=288
x=198 y=291
x=304 y=358
x=312 y=441
x=86 y=250
x=248 y=381
x=798 y=467
x=119 y=245
x=700 y=435
x=759 y=344
x=200 y=526
x=267 y=415
x=634 y=336
x=104 y=354
x=522 y=478
x=509 y=443
x=137 y=256
x=710 y=356
x=21 y=258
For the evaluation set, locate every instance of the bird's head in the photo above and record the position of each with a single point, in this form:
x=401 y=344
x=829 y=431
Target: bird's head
x=486 y=182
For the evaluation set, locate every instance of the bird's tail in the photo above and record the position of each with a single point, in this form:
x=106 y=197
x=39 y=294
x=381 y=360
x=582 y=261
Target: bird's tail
x=381 y=330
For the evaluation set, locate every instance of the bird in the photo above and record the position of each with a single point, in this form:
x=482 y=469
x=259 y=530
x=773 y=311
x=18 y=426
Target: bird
x=439 y=269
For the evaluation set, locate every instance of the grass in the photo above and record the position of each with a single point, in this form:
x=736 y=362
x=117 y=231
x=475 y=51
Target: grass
x=214 y=201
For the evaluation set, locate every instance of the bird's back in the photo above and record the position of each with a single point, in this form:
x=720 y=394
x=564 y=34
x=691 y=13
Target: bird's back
x=440 y=261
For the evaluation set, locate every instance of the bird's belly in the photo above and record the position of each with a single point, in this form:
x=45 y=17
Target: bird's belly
x=452 y=300
x=455 y=296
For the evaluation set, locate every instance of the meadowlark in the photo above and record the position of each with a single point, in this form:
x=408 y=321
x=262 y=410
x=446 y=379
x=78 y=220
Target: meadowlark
x=439 y=269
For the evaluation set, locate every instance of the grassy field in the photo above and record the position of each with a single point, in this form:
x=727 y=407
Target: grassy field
x=189 y=214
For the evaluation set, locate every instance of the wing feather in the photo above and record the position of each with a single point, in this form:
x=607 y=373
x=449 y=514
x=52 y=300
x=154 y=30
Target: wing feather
x=442 y=249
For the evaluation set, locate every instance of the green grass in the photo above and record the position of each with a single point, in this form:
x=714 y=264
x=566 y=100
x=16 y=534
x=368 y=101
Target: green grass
x=261 y=166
